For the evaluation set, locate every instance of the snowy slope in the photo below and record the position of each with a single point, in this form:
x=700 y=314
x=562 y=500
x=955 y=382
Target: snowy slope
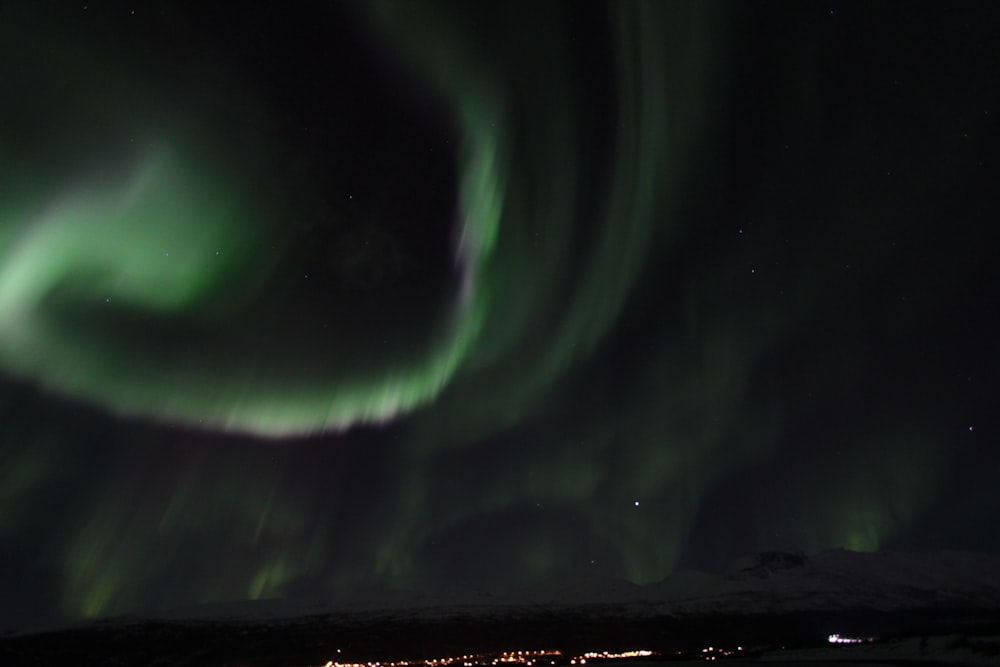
x=771 y=583
x=768 y=583
x=766 y=602
x=783 y=582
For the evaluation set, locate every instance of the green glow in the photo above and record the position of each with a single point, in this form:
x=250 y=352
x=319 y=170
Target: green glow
x=171 y=240
x=147 y=243
x=146 y=280
x=269 y=582
x=174 y=235
x=885 y=491
x=875 y=490
x=546 y=294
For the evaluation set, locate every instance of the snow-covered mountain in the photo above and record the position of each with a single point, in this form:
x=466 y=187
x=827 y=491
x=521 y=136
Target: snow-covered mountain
x=775 y=582
x=837 y=580
x=766 y=602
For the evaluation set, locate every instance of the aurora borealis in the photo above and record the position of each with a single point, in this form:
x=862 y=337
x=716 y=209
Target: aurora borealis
x=304 y=299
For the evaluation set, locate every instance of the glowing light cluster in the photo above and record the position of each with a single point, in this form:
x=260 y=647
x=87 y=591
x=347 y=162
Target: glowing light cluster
x=716 y=652
x=605 y=655
x=468 y=660
x=843 y=639
x=528 y=658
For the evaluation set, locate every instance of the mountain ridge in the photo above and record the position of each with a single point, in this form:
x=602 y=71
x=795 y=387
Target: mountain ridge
x=771 y=582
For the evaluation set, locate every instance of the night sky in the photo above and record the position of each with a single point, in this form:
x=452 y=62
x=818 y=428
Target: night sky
x=303 y=298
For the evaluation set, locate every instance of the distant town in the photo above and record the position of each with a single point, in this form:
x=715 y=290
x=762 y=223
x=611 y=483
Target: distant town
x=542 y=657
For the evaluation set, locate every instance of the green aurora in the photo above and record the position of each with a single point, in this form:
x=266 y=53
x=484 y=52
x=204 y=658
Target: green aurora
x=590 y=382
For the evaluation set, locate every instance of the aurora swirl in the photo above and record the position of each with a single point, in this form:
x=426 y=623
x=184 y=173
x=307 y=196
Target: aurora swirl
x=311 y=298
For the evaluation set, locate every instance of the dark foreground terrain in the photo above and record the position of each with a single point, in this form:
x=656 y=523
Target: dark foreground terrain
x=951 y=637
